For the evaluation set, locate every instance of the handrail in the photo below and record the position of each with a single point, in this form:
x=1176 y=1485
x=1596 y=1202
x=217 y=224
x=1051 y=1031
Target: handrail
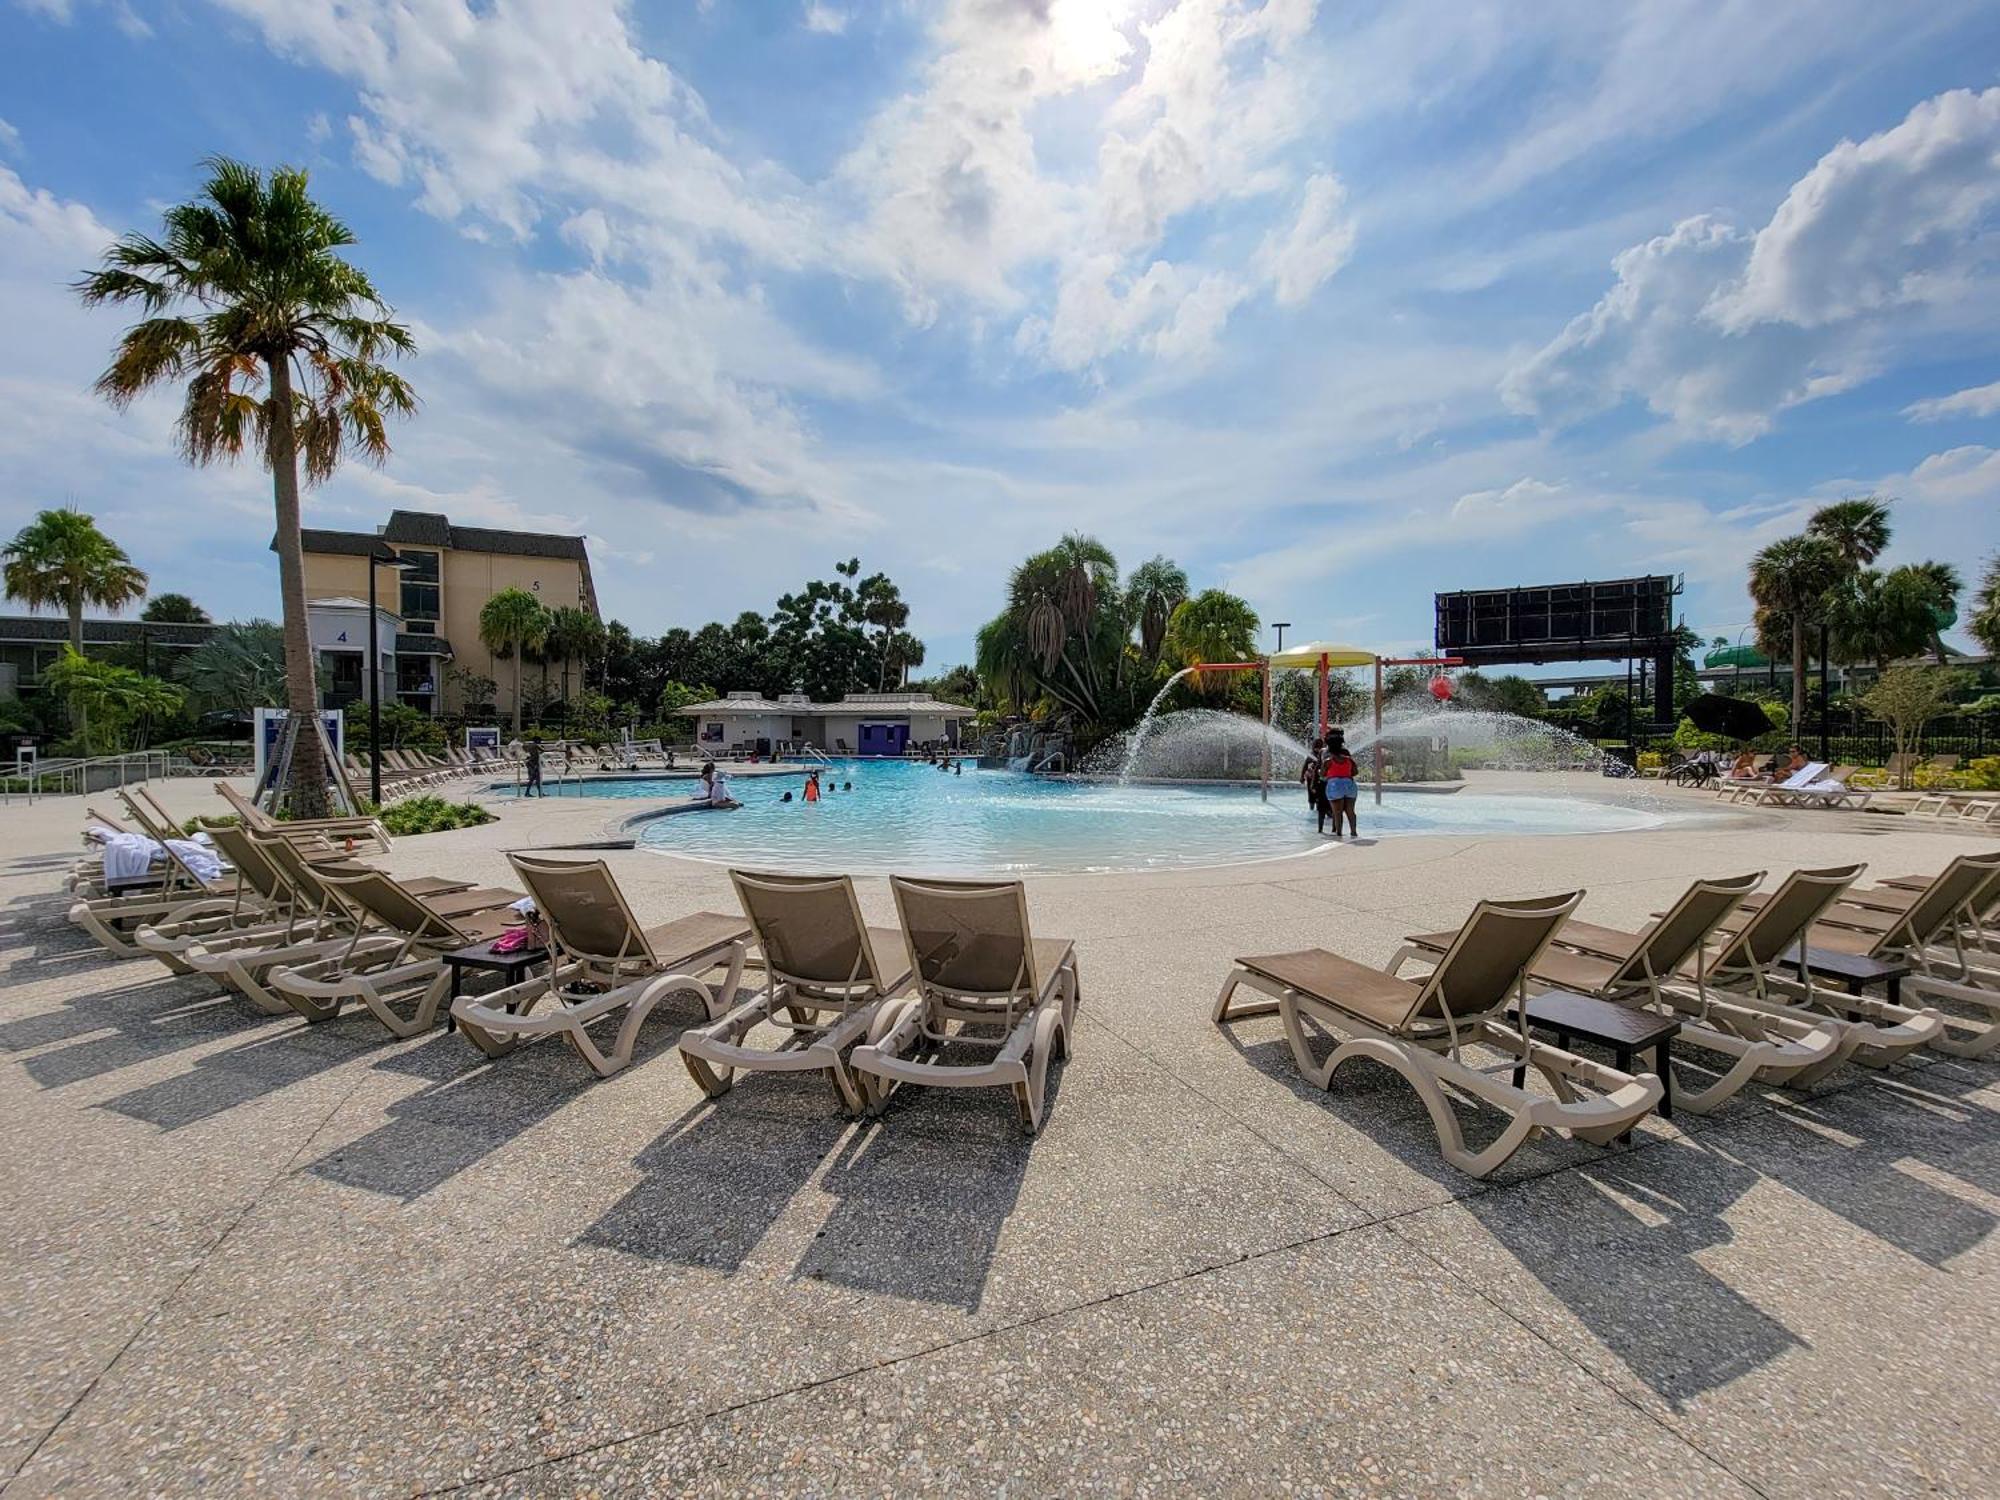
x=73 y=775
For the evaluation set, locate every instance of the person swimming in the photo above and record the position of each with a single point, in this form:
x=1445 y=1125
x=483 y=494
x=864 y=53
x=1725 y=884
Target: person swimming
x=786 y=798
x=847 y=786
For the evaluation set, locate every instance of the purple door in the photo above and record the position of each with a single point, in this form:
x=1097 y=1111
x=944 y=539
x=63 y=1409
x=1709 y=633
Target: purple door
x=881 y=739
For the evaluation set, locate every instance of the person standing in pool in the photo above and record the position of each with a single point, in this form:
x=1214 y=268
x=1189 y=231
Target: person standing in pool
x=812 y=786
x=534 y=787
x=1312 y=776
x=1339 y=790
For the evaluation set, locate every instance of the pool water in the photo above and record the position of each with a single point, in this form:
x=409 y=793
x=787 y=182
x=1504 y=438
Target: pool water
x=912 y=818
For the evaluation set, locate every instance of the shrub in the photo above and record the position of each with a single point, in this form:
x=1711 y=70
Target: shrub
x=1931 y=779
x=201 y=821
x=1982 y=775
x=431 y=814
x=1651 y=760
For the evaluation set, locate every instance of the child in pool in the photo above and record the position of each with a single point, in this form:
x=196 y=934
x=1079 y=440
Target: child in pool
x=1341 y=791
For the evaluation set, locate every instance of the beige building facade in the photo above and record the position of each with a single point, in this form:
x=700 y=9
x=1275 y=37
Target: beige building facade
x=448 y=574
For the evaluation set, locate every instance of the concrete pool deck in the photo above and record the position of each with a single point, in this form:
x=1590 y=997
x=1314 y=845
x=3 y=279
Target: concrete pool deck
x=242 y=1253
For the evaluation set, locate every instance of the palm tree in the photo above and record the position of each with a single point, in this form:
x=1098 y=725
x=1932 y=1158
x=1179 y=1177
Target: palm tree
x=1858 y=529
x=1154 y=591
x=1213 y=626
x=1937 y=586
x=1789 y=581
x=574 y=635
x=1877 y=617
x=1984 y=625
x=513 y=623
x=280 y=341
x=60 y=560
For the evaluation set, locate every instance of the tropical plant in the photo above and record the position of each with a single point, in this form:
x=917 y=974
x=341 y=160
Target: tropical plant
x=1213 y=626
x=1906 y=699
x=472 y=690
x=60 y=560
x=117 y=701
x=238 y=668
x=280 y=341
x=1936 y=586
x=1876 y=617
x=574 y=636
x=1789 y=580
x=1155 y=590
x=431 y=814
x=1063 y=634
x=512 y=623
x=1984 y=625
x=173 y=609
x=1857 y=529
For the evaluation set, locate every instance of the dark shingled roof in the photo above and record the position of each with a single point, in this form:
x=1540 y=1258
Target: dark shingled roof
x=416 y=528
x=103 y=632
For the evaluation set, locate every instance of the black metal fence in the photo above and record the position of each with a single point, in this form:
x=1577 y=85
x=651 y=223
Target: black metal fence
x=1853 y=739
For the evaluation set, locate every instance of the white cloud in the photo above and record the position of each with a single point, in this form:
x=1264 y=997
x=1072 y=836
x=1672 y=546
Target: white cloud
x=1977 y=401
x=1954 y=477
x=1318 y=243
x=1880 y=247
x=1525 y=502
x=1649 y=337
x=826 y=19
x=10 y=138
x=1899 y=219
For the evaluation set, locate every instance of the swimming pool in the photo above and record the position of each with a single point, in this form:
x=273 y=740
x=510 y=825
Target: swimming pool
x=909 y=817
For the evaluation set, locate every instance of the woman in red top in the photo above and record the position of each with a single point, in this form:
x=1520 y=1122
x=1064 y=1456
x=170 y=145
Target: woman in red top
x=1340 y=771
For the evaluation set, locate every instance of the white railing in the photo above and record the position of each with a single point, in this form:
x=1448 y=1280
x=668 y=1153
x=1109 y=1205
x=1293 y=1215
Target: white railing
x=72 y=776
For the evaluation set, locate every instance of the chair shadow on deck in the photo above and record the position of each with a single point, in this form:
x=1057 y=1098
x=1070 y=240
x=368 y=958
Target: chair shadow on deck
x=141 y=1012
x=470 y=1108
x=1621 y=1255
x=718 y=1180
x=925 y=1195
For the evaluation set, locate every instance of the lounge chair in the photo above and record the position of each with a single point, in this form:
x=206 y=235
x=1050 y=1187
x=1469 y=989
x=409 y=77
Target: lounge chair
x=358 y=834
x=114 y=920
x=395 y=953
x=825 y=969
x=316 y=922
x=978 y=967
x=1830 y=790
x=1930 y=938
x=1775 y=791
x=1969 y=807
x=1648 y=969
x=1420 y=1029
x=594 y=939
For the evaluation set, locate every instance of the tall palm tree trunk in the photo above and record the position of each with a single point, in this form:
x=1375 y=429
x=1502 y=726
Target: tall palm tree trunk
x=79 y=710
x=1798 y=675
x=306 y=795
x=517 y=687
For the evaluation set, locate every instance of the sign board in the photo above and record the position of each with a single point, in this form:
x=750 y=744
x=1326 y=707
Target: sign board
x=270 y=722
x=482 y=739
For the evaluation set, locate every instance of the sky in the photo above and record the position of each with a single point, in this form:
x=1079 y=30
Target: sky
x=1337 y=305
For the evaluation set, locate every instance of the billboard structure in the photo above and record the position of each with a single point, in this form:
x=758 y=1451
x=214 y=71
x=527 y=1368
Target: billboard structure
x=1624 y=619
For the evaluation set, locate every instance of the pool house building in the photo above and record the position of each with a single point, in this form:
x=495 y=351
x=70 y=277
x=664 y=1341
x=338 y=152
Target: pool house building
x=859 y=724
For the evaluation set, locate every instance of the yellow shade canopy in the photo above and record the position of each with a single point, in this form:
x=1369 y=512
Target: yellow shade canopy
x=1336 y=655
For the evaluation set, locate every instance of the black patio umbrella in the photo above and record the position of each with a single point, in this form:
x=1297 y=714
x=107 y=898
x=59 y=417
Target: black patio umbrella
x=1735 y=718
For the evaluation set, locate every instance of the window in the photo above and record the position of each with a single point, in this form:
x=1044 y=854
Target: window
x=420 y=586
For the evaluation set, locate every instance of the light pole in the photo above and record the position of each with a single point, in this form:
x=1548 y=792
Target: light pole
x=376 y=560
x=1281 y=626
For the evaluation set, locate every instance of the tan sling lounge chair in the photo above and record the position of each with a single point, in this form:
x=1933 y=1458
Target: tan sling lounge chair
x=976 y=965
x=315 y=923
x=1930 y=936
x=1756 y=964
x=1649 y=969
x=595 y=939
x=395 y=956
x=357 y=835
x=1420 y=1028
x=826 y=974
